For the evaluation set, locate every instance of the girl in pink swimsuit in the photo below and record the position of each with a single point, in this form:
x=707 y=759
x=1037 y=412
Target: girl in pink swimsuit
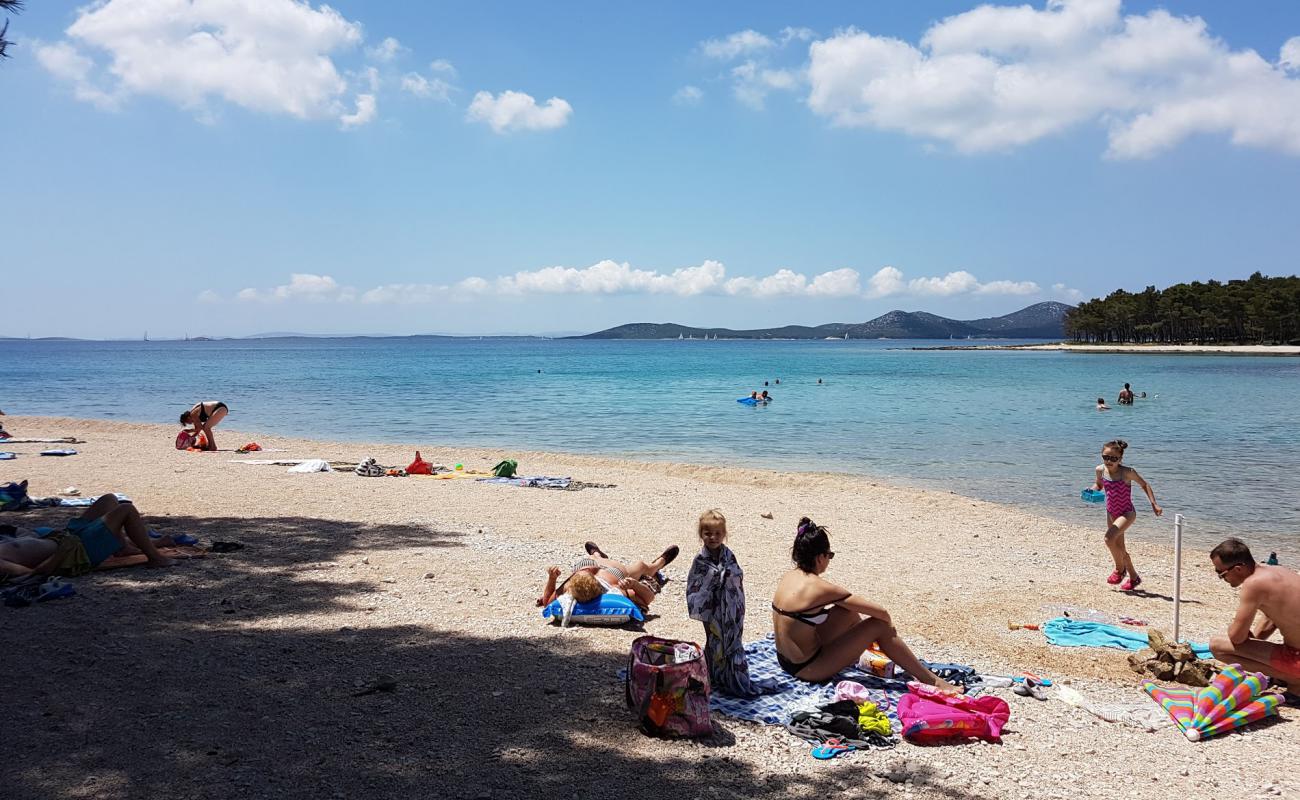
x=1117 y=481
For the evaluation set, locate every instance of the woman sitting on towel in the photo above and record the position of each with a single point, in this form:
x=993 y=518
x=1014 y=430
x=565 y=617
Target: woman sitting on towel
x=204 y=417
x=597 y=574
x=822 y=628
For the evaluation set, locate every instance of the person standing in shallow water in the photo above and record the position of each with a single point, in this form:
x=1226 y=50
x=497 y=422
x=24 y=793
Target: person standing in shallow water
x=1116 y=480
x=1126 y=396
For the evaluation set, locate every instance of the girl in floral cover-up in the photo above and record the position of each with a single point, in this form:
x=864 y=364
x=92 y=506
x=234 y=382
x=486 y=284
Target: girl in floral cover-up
x=715 y=595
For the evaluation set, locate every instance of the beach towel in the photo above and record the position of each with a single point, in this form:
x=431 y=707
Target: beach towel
x=785 y=694
x=74 y=502
x=64 y=440
x=535 y=482
x=1064 y=632
x=8 y=456
x=118 y=562
x=715 y=595
x=312 y=465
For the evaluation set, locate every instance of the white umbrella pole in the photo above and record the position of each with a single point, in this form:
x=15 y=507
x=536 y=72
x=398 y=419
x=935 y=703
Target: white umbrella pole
x=1178 y=571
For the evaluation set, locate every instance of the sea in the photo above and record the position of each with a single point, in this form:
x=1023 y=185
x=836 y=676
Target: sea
x=1217 y=437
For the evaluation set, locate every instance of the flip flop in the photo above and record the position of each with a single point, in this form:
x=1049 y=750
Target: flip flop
x=53 y=589
x=594 y=550
x=831 y=748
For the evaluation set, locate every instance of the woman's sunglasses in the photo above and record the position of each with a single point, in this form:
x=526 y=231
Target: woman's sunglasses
x=1110 y=458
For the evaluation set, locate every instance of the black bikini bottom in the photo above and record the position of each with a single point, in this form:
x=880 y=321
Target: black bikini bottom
x=795 y=667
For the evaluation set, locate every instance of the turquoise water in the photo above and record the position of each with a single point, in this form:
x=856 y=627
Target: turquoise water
x=1220 y=443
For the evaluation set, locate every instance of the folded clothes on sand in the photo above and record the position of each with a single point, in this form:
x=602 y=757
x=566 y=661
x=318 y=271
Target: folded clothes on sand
x=1064 y=632
x=312 y=465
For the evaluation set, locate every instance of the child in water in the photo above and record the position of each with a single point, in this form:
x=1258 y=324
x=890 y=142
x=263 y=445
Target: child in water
x=1117 y=481
x=715 y=595
x=1101 y=404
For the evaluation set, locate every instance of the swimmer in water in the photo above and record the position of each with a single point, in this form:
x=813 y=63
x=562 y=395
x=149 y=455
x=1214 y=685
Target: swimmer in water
x=1101 y=404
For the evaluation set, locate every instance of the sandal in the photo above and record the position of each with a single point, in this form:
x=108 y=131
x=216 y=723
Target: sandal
x=831 y=748
x=669 y=554
x=594 y=550
x=1131 y=584
x=1115 y=577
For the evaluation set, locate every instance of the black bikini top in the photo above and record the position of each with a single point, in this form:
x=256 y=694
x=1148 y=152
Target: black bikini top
x=811 y=616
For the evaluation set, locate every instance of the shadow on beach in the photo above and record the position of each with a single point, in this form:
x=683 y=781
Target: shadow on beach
x=227 y=677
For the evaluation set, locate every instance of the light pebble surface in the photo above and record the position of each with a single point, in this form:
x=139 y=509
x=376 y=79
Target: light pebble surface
x=234 y=676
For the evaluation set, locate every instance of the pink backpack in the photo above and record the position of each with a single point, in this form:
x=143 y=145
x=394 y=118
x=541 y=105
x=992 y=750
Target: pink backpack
x=928 y=716
x=667 y=687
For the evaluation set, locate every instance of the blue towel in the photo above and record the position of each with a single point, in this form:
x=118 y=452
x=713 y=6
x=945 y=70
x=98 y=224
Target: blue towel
x=1065 y=632
x=8 y=456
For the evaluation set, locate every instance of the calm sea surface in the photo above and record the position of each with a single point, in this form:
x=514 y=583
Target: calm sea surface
x=1218 y=437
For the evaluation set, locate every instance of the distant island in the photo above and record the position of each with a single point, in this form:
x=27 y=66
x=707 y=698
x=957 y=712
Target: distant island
x=1039 y=321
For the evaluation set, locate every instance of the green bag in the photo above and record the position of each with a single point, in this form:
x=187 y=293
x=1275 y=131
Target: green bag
x=505 y=469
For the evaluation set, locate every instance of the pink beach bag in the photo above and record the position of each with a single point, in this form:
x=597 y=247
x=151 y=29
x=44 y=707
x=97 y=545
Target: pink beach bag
x=667 y=687
x=929 y=717
x=184 y=440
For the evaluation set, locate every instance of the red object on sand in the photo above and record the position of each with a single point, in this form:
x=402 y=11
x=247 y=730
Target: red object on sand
x=251 y=447
x=419 y=466
x=184 y=440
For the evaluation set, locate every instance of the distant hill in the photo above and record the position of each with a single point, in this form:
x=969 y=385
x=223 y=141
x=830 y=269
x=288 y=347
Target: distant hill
x=1039 y=321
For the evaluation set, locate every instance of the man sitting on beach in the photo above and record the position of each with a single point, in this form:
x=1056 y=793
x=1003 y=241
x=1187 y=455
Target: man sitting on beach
x=1274 y=592
x=108 y=527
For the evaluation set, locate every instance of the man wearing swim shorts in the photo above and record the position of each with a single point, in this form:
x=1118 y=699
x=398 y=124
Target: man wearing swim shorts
x=1274 y=594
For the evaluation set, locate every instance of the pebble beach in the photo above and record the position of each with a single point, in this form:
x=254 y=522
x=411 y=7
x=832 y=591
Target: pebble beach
x=377 y=637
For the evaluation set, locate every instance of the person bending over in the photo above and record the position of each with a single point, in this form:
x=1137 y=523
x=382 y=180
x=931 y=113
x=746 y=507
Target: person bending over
x=607 y=575
x=204 y=417
x=108 y=527
x=821 y=628
x=1274 y=594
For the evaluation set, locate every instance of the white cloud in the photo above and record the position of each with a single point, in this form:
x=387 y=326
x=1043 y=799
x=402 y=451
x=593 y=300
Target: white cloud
x=997 y=77
x=301 y=286
x=387 y=50
x=751 y=83
x=789 y=34
x=1067 y=293
x=511 y=111
x=429 y=88
x=688 y=96
x=208 y=297
x=366 y=111
x=615 y=278
x=65 y=62
x=890 y=282
x=436 y=88
x=737 y=44
x=271 y=56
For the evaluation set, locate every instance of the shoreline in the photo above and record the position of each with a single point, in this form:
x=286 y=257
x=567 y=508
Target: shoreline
x=432 y=582
x=1138 y=349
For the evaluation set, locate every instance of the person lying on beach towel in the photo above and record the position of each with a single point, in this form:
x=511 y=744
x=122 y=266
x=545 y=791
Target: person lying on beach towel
x=204 y=417
x=596 y=574
x=822 y=628
x=108 y=527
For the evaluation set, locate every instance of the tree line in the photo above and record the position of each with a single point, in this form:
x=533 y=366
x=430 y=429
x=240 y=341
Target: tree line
x=1258 y=310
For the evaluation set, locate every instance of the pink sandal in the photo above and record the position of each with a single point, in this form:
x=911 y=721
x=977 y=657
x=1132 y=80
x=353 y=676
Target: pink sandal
x=1115 y=577
x=1131 y=584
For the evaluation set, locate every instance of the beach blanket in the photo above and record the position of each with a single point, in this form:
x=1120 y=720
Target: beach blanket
x=1064 y=632
x=8 y=456
x=536 y=482
x=785 y=694
x=117 y=562
x=73 y=502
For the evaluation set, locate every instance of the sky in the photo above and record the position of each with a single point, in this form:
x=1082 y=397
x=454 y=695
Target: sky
x=234 y=167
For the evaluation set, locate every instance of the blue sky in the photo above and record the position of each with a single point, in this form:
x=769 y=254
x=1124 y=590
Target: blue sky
x=235 y=167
